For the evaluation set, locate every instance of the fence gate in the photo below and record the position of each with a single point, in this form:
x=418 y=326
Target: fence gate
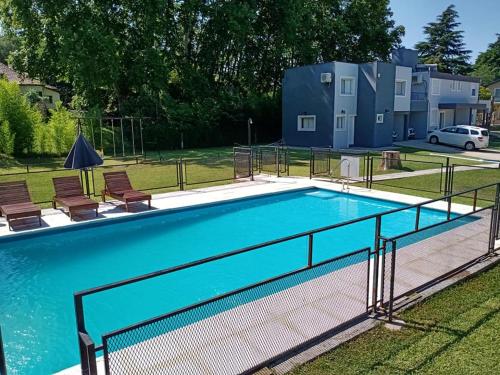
x=320 y=162
x=268 y=159
x=243 y=160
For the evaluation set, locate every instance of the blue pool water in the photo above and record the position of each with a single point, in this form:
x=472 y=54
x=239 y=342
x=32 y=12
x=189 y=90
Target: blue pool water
x=38 y=274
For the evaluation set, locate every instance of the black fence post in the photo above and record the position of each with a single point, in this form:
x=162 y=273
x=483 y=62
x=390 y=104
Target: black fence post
x=494 y=223
x=86 y=346
x=447 y=176
x=181 y=175
x=393 y=274
x=310 y=251
x=376 y=261
x=3 y=362
x=371 y=172
x=251 y=164
x=311 y=163
x=277 y=164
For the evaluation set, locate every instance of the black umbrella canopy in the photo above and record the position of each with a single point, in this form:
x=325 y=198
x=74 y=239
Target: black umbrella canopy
x=82 y=155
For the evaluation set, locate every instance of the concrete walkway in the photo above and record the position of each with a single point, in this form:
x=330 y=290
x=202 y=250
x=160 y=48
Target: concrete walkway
x=488 y=154
x=425 y=172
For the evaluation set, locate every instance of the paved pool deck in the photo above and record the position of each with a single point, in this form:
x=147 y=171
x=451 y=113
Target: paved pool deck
x=56 y=218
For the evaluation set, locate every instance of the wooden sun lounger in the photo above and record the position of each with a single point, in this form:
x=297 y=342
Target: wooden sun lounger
x=69 y=194
x=117 y=186
x=15 y=202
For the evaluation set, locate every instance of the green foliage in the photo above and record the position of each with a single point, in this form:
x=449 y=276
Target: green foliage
x=197 y=67
x=22 y=118
x=57 y=135
x=6 y=139
x=63 y=127
x=487 y=66
x=444 y=44
x=8 y=44
x=484 y=93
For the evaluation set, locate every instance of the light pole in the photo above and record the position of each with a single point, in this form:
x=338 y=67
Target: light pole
x=249 y=123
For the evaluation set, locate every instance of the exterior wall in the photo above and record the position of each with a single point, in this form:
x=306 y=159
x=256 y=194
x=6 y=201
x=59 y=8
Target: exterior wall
x=303 y=93
x=448 y=95
x=53 y=95
x=402 y=103
x=344 y=105
x=376 y=87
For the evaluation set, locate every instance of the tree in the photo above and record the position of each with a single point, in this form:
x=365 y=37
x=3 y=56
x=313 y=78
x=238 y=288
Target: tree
x=444 y=44
x=484 y=93
x=6 y=139
x=8 y=44
x=487 y=66
x=198 y=67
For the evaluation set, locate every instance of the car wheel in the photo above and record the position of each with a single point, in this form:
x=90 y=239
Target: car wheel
x=434 y=140
x=469 y=146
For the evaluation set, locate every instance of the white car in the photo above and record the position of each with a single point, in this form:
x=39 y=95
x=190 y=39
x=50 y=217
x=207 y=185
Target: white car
x=466 y=136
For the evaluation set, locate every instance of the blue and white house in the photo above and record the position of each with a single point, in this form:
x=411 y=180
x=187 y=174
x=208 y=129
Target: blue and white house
x=320 y=105
x=341 y=104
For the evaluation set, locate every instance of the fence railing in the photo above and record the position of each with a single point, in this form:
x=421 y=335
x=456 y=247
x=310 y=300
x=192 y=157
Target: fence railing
x=3 y=362
x=123 y=345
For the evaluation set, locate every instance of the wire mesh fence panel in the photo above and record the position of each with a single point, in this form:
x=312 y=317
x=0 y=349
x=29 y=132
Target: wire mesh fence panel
x=321 y=162
x=40 y=183
x=242 y=330
x=208 y=171
x=242 y=162
x=462 y=180
x=422 y=257
x=143 y=176
x=268 y=159
x=298 y=162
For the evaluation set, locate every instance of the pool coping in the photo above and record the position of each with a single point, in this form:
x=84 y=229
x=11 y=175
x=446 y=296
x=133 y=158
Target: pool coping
x=56 y=220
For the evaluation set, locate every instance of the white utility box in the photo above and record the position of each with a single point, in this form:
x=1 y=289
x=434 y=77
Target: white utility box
x=349 y=166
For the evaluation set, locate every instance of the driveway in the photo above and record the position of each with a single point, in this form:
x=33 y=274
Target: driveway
x=485 y=154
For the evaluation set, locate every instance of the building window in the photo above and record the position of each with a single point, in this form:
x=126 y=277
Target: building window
x=456 y=85
x=379 y=119
x=497 y=94
x=306 y=123
x=436 y=86
x=473 y=92
x=341 y=123
x=400 y=88
x=40 y=93
x=50 y=99
x=346 y=86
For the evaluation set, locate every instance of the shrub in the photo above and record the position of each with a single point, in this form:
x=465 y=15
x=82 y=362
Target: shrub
x=21 y=116
x=63 y=129
x=6 y=139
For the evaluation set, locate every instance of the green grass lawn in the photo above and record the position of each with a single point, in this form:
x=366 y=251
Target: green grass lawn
x=457 y=331
x=202 y=166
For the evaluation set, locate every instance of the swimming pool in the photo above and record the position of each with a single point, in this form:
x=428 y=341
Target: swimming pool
x=40 y=273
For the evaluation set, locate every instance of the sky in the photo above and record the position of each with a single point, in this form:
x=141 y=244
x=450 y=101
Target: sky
x=480 y=20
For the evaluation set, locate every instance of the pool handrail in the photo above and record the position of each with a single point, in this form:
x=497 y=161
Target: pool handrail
x=283 y=239
x=89 y=348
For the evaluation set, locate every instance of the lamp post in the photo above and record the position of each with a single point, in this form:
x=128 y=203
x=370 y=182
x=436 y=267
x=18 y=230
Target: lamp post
x=249 y=123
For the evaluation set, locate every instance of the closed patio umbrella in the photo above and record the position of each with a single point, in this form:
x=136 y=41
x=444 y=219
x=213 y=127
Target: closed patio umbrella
x=82 y=156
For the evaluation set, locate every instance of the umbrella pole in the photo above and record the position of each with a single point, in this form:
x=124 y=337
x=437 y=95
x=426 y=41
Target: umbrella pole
x=87 y=182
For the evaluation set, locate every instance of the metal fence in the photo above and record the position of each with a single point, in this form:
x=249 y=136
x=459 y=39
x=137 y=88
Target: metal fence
x=333 y=294
x=242 y=162
x=3 y=364
x=273 y=160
